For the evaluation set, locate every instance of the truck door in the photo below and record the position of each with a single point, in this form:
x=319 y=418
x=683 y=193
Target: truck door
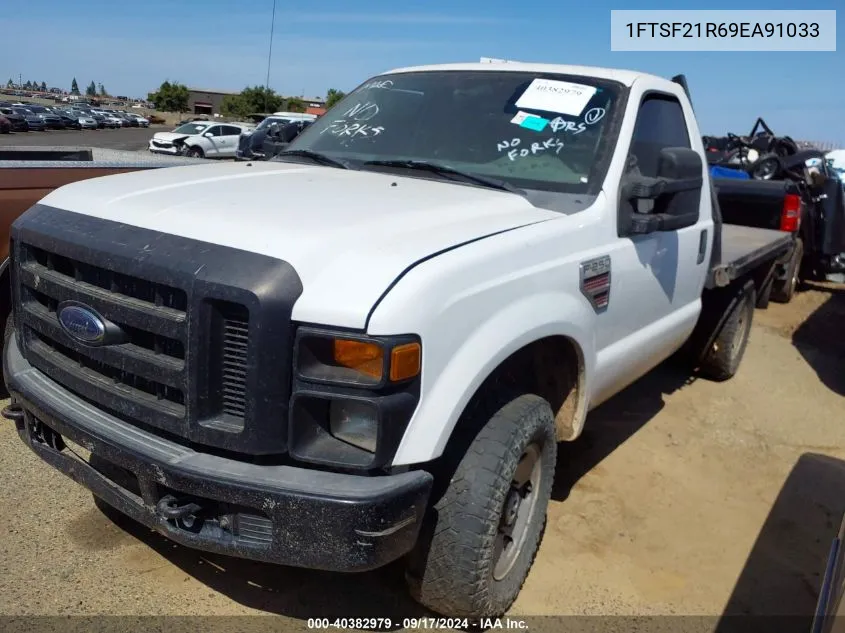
x=657 y=277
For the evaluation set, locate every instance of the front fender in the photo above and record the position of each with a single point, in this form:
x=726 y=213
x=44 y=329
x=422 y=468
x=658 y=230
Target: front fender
x=451 y=375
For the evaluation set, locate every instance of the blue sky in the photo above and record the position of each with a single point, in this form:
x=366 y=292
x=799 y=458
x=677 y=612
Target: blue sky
x=222 y=44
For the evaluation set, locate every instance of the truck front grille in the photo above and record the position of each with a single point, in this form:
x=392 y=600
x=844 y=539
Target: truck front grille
x=233 y=366
x=143 y=378
x=205 y=340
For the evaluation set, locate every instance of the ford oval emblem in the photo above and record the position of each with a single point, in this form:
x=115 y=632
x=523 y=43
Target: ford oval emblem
x=82 y=323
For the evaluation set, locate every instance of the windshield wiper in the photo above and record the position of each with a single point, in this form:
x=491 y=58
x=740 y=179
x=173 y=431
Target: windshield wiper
x=317 y=157
x=424 y=165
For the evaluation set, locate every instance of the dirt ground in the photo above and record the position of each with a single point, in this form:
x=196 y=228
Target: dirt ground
x=682 y=497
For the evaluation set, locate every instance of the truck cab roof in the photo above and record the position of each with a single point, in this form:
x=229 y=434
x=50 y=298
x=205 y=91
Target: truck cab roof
x=625 y=77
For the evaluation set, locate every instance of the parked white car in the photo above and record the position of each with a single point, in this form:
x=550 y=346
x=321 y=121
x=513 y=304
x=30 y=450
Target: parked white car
x=200 y=139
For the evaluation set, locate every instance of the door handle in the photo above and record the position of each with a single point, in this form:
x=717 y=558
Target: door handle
x=702 y=246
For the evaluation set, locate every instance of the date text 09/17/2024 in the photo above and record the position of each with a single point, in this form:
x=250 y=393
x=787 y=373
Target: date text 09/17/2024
x=723 y=29
x=422 y=624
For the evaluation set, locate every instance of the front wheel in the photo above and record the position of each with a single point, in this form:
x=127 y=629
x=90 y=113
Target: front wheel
x=8 y=333
x=194 y=152
x=486 y=528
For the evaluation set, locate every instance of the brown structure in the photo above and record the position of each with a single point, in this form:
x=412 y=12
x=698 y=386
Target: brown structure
x=207 y=102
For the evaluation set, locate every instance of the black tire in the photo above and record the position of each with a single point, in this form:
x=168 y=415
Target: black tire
x=724 y=329
x=783 y=291
x=195 y=152
x=764 y=294
x=8 y=332
x=766 y=167
x=454 y=570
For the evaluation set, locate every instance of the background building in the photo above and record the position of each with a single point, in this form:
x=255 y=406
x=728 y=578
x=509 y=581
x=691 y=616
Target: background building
x=206 y=101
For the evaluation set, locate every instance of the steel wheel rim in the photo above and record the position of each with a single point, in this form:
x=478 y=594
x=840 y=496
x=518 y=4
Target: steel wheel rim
x=518 y=509
x=742 y=330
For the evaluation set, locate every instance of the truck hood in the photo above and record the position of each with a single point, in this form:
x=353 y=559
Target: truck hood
x=348 y=234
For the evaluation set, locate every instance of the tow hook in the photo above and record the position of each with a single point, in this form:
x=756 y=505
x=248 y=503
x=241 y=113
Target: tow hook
x=13 y=412
x=169 y=507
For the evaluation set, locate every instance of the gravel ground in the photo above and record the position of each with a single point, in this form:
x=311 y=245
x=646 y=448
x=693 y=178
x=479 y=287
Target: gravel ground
x=131 y=138
x=682 y=497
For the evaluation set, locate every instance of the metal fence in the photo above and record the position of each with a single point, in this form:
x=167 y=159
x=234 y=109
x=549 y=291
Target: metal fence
x=824 y=146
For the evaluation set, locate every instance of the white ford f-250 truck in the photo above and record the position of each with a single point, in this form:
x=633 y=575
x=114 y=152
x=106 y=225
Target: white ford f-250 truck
x=368 y=348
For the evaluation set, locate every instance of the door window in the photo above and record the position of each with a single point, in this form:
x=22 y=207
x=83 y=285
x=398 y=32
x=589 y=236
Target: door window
x=660 y=124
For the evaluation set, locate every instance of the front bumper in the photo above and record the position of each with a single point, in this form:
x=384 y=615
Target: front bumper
x=172 y=150
x=280 y=514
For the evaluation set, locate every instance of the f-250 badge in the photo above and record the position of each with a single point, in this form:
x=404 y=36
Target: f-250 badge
x=595 y=282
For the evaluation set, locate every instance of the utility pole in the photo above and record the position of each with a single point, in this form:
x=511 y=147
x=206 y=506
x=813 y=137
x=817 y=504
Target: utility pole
x=269 y=57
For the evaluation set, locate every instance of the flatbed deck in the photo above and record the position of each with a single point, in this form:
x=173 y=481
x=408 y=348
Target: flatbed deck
x=743 y=249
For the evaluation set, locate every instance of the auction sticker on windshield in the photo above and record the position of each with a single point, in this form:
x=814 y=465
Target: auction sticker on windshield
x=556 y=96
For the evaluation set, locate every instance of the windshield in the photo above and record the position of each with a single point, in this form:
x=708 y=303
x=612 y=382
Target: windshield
x=541 y=131
x=190 y=128
x=24 y=111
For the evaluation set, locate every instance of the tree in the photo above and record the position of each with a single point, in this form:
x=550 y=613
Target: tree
x=74 y=87
x=102 y=91
x=333 y=96
x=10 y=83
x=170 y=97
x=43 y=86
x=250 y=101
x=91 y=90
x=295 y=104
x=27 y=85
x=235 y=106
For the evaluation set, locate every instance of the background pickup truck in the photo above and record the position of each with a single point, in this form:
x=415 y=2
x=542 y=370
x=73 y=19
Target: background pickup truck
x=467 y=259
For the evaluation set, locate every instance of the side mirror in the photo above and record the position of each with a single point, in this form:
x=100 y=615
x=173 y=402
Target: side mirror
x=208 y=135
x=671 y=200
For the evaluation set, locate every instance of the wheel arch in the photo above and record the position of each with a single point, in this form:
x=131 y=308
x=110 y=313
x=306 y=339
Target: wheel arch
x=553 y=356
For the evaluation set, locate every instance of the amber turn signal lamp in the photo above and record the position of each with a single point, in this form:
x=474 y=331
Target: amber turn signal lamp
x=405 y=361
x=368 y=358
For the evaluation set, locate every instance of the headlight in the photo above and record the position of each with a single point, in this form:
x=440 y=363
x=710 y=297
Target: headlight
x=353 y=396
x=354 y=422
x=359 y=361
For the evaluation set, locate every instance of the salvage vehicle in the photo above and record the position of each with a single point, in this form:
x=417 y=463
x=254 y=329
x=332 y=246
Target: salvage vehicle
x=33 y=121
x=829 y=616
x=140 y=120
x=51 y=120
x=251 y=142
x=786 y=188
x=368 y=348
x=199 y=139
x=17 y=121
x=280 y=136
